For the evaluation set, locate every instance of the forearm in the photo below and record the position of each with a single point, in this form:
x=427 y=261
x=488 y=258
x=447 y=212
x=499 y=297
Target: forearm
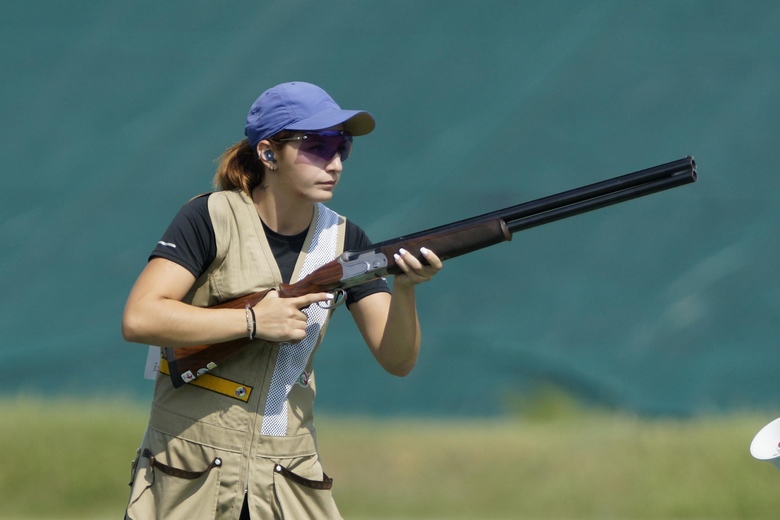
x=400 y=342
x=171 y=323
x=388 y=323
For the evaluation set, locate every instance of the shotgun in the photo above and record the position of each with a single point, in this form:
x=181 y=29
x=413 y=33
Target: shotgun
x=448 y=241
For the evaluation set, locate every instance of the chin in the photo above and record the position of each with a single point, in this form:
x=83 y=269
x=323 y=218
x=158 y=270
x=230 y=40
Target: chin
x=325 y=195
x=321 y=197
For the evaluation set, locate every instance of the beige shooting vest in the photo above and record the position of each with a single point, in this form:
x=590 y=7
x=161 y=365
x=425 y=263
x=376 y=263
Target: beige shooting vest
x=203 y=448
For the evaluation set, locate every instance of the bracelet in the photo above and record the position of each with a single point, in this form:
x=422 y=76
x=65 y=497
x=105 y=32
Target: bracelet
x=251 y=322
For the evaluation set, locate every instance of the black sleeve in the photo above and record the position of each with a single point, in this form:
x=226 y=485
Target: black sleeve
x=189 y=240
x=355 y=238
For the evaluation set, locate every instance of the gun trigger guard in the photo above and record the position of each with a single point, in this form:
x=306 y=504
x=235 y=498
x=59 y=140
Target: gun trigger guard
x=339 y=297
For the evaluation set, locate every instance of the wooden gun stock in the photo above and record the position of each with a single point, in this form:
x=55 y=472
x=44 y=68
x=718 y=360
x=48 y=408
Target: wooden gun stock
x=448 y=241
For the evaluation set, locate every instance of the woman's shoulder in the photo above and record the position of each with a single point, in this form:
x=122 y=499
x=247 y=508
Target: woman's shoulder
x=355 y=237
x=220 y=205
x=195 y=209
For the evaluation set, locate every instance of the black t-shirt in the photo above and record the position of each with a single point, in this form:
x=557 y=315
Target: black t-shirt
x=190 y=242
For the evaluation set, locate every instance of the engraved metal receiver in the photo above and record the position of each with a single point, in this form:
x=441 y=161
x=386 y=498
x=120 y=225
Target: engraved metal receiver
x=357 y=267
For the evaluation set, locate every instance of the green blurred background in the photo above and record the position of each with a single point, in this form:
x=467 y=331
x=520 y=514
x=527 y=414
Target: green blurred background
x=113 y=114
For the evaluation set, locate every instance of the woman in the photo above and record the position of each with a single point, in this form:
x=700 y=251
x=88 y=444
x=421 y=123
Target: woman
x=239 y=442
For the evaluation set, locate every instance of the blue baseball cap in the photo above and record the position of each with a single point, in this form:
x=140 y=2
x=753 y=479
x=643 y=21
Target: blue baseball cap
x=301 y=106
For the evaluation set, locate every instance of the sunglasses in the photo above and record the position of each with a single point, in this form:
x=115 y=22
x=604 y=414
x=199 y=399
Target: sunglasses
x=325 y=144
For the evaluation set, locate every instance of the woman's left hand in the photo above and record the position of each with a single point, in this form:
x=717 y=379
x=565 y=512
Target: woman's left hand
x=414 y=271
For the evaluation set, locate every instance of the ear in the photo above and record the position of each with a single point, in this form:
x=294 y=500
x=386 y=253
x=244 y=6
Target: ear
x=266 y=154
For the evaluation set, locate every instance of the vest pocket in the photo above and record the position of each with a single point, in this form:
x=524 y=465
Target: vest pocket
x=325 y=484
x=300 y=497
x=164 y=488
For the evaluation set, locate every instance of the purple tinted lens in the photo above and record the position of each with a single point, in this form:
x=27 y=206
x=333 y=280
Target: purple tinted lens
x=326 y=145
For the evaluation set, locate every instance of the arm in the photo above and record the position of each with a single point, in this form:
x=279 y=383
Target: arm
x=154 y=313
x=389 y=323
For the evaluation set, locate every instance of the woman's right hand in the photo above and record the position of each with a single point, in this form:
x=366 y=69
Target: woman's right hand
x=282 y=319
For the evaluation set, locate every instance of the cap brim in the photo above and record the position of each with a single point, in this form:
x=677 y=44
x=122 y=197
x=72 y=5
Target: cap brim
x=356 y=122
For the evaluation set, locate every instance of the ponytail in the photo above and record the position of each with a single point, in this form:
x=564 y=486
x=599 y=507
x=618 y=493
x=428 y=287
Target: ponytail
x=239 y=168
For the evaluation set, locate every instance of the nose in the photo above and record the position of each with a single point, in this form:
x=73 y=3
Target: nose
x=335 y=165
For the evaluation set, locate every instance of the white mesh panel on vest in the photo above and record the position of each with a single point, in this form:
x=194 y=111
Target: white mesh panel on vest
x=293 y=357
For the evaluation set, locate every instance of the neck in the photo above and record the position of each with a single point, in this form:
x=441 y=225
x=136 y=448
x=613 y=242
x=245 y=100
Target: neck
x=286 y=217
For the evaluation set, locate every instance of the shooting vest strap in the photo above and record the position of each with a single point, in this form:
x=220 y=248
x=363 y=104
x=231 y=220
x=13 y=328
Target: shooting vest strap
x=214 y=383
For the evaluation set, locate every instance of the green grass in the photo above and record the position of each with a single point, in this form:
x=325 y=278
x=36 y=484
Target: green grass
x=66 y=459
x=70 y=459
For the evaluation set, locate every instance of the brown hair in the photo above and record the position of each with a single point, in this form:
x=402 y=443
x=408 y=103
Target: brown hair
x=240 y=167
